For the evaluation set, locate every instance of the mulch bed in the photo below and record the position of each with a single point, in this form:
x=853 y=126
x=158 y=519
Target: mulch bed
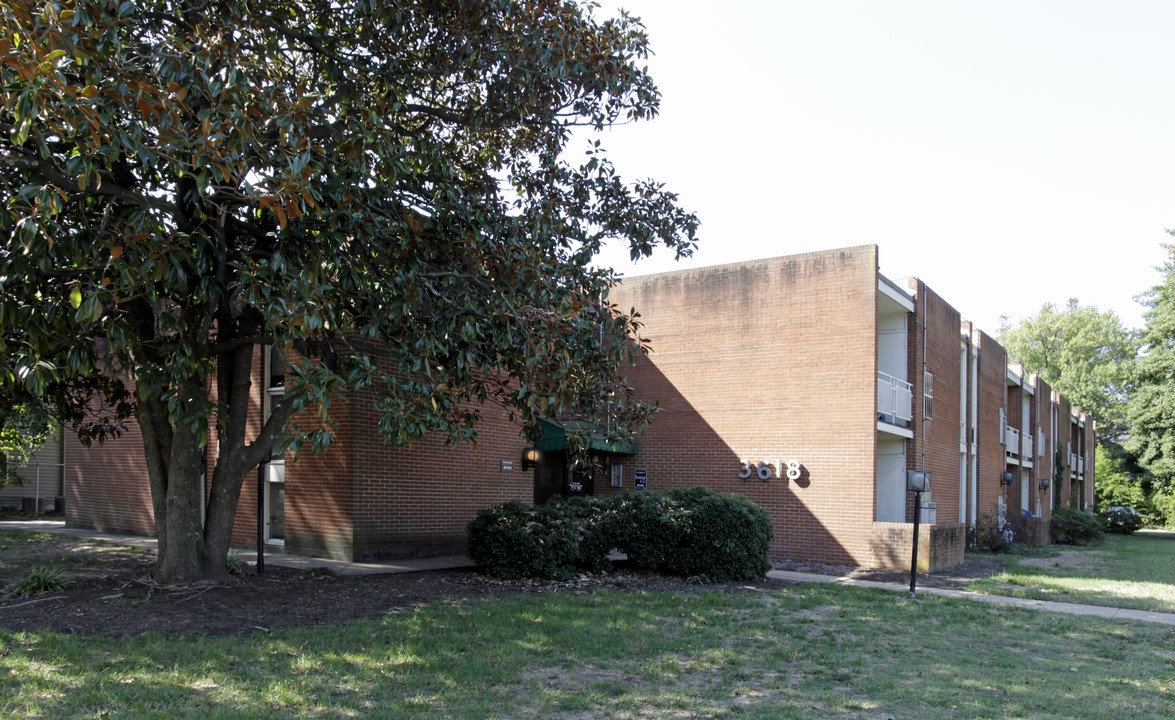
x=111 y=594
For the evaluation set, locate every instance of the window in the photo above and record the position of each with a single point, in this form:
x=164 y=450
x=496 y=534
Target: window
x=927 y=395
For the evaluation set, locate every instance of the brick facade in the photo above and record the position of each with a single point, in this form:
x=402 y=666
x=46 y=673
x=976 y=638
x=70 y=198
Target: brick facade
x=757 y=367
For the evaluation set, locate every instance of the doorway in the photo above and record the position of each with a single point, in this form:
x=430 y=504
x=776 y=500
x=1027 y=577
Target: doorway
x=554 y=478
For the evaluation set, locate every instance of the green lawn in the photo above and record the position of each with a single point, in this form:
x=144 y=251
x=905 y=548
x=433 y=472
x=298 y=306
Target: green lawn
x=807 y=652
x=1128 y=571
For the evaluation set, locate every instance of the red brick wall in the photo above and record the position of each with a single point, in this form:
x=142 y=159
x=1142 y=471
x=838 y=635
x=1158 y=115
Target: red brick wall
x=934 y=347
x=993 y=373
x=106 y=484
x=418 y=500
x=1044 y=460
x=1064 y=435
x=766 y=361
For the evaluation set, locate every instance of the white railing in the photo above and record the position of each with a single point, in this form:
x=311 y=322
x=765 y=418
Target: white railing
x=1073 y=462
x=1080 y=466
x=1026 y=446
x=1013 y=441
x=894 y=397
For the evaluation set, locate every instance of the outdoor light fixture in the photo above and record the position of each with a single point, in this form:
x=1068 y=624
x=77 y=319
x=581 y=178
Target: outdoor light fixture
x=1044 y=483
x=1007 y=479
x=530 y=458
x=917 y=482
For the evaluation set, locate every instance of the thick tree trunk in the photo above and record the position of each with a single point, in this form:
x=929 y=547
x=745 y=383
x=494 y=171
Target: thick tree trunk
x=191 y=547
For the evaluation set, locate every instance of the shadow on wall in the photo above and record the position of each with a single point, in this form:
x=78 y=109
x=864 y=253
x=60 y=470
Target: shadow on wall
x=682 y=448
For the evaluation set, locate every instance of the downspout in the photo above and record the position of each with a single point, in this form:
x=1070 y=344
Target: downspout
x=973 y=439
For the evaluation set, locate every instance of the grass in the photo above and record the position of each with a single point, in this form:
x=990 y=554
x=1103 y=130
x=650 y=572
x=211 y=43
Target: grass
x=810 y=651
x=1127 y=571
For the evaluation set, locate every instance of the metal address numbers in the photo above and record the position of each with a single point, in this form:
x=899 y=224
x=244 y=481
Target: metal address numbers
x=763 y=470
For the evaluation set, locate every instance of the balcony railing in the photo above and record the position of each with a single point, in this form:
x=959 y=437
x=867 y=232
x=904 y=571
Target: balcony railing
x=1026 y=446
x=894 y=399
x=1073 y=462
x=1080 y=466
x=1012 y=441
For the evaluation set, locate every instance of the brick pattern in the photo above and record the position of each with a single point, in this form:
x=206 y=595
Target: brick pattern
x=769 y=361
x=940 y=546
x=934 y=348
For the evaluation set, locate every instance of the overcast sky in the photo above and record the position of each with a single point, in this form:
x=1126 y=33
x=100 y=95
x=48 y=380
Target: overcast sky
x=1009 y=153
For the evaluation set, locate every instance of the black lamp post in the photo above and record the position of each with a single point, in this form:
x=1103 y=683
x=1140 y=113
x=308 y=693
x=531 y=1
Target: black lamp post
x=917 y=482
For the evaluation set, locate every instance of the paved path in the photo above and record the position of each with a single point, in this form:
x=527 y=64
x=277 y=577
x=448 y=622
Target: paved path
x=460 y=561
x=1046 y=605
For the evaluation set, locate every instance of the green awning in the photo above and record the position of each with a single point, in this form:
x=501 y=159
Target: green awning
x=554 y=437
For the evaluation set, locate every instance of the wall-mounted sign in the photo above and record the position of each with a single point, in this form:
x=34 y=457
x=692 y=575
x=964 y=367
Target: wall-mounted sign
x=507 y=465
x=792 y=470
x=640 y=478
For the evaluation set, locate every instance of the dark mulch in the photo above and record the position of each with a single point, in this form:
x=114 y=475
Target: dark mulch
x=111 y=594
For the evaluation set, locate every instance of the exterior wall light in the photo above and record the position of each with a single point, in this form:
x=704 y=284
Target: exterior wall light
x=1044 y=483
x=1007 y=479
x=530 y=458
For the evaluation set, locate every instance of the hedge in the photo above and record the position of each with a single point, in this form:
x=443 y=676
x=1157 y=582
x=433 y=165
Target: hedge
x=693 y=532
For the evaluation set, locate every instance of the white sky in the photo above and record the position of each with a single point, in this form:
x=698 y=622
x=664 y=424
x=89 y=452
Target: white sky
x=1008 y=152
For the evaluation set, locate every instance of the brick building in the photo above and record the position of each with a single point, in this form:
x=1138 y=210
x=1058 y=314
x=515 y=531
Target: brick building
x=809 y=383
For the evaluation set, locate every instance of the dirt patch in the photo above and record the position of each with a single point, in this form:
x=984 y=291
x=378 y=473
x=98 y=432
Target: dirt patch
x=1078 y=560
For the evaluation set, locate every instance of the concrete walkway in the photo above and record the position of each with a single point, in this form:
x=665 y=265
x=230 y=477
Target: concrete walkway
x=1046 y=605
x=277 y=559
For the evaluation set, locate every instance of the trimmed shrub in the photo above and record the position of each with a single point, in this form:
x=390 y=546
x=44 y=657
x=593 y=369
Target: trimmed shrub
x=647 y=527
x=1121 y=520
x=1074 y=527
x=694 y=532
x=724 y=537
x=515 y=541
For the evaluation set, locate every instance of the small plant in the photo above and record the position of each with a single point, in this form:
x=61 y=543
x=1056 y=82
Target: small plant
x=39 y=579
x=1121 y=520
x=989 y=535
x=1075 y=527
x=234 y=564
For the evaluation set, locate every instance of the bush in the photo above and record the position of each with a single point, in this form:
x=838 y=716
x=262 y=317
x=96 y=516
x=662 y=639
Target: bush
x=647 y=528
x=693 y=533
x=1121 y=520
x=515 y=541
x=989 y=535
x=39 y=579
x=1074 y=527
x=723 y=537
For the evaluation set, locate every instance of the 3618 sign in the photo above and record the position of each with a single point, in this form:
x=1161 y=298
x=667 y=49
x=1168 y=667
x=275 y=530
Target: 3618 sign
x=765 y=471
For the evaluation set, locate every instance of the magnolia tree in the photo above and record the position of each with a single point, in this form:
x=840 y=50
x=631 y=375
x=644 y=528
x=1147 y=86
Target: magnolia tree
x=378 y=187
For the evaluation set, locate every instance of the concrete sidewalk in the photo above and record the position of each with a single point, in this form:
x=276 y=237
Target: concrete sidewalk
x=1046 y=605
x=277 y=559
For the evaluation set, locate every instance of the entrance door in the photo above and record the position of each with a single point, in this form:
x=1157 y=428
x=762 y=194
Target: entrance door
x=553 y=478
x=891 y=480
x=275 y=503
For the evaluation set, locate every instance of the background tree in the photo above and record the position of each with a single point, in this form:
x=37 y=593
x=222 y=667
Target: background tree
x=376 y=187
x=23 y=429
x=1085 y=354
x=1152 y=406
